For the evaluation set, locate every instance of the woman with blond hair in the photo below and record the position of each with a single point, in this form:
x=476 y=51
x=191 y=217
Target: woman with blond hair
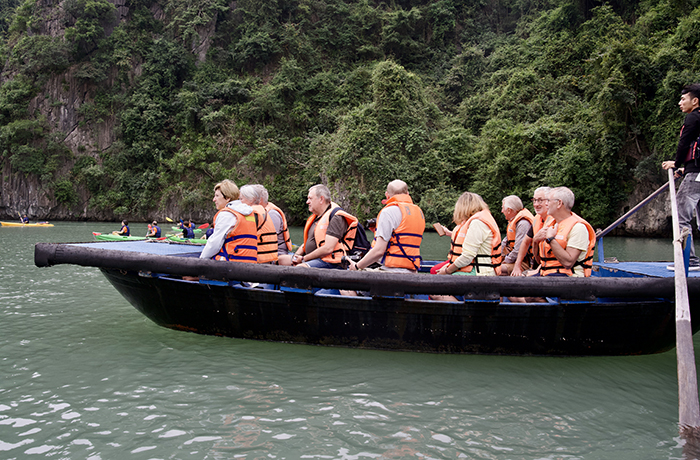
x=235 y=235
x=476 y=241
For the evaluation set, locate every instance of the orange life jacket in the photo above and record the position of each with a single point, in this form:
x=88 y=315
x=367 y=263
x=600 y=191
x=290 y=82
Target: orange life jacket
x=241 y=241
x=403 y=249
x=537 y=225
x=480 y=260
x=345 y=242
x=267 y=235
x=510 y=231
x=551 y=265
x=285 y=227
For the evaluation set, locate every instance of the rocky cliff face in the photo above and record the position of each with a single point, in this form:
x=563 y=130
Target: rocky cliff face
x=59 y=102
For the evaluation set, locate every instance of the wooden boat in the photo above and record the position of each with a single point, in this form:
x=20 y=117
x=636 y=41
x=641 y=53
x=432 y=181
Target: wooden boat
x=624 y=309
x=20 y=224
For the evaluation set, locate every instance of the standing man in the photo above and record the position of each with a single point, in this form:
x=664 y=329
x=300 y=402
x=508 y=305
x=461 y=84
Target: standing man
x=399 y=233
x=520 y=221
x=569 y=243
x=688 y=194
x=329 y=233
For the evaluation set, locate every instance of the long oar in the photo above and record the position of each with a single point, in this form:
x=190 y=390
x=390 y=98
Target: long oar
x=688 y=407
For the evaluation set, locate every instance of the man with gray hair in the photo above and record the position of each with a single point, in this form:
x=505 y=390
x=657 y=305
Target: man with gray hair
x=532 y=242
x=267 y=236
x=520 y=221
x=279 y=220
x=329 y=233
x=569 y=243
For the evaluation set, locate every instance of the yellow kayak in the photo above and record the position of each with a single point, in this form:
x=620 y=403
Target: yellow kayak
x=19 y=224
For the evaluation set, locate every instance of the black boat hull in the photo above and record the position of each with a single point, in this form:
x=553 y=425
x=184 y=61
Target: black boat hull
x=578 y=328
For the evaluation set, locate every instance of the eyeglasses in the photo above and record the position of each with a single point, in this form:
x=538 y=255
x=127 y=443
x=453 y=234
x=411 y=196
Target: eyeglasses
x=539 y=200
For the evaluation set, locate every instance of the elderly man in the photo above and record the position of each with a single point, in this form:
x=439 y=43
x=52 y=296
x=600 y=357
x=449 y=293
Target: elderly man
x=279 y=220
x=399 y=232
x=267 y=235
x=520 y=221
x=329 y=233
x=532 y=241
x=568 y=246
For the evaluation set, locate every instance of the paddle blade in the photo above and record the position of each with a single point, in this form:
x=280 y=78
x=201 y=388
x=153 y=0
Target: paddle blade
x=169 y=219
x=203 y=226
x=96 y=233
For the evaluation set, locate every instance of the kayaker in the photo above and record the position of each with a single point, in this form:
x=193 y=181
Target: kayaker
x=187 y=230
x=569 y=243
x=398 y=233
x=267 y=235
x=329 y=233
x=520 y=221
x=24 y=219
x=154 y=230
x=124 y=231
x=686 y=164
x=235 y=236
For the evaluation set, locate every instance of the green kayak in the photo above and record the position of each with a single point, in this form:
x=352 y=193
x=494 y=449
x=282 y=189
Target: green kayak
x=179 y=239
x=196 y=230
x=111 y=237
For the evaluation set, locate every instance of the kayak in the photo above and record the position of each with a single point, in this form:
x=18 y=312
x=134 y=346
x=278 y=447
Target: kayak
x=111 y=237
x=19 y=224
x=196 y=230
x=179 y=239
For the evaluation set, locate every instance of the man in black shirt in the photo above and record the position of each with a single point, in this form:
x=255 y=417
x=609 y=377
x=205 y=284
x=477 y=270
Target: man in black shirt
x=687 y=164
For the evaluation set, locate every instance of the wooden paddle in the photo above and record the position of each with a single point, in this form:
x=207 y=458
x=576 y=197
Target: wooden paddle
x=688 y=407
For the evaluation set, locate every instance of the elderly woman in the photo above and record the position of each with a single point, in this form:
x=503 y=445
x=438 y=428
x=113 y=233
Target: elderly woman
x=235 y=233
x=476 y=240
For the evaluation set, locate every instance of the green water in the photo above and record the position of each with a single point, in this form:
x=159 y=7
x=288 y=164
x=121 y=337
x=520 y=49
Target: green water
x=84 y=375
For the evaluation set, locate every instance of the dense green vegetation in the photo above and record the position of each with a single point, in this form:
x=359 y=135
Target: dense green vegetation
x=494 y=97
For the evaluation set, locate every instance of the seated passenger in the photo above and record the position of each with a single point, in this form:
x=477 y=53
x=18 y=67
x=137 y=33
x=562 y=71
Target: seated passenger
x=284 y=240
x=154 y=230
x=532 y=241
x=235 y=235
x=569 y=244
x=476 y=240
x=24 y=219
x=267 y=235
x=329 y=233
x=124 y=230
x=519 y=224
x=398 y=233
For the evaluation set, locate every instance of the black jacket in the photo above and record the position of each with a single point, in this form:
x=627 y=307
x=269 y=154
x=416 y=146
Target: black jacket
x=689 y=134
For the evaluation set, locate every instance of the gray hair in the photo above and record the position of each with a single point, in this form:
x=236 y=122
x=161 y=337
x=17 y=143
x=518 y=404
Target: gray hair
x=544 y=190
x=321 y=191
x=250 y=193
x=565 y=195
x=262 y=193
x=513 y=202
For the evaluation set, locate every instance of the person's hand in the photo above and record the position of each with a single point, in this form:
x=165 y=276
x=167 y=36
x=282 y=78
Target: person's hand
x=297 y=259
x=517 y=270
x=551 y=231
x=668 y=164
x=443 y=270
x=352 y=265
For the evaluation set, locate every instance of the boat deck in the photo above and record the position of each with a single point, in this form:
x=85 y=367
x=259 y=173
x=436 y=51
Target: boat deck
x=633 y=269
